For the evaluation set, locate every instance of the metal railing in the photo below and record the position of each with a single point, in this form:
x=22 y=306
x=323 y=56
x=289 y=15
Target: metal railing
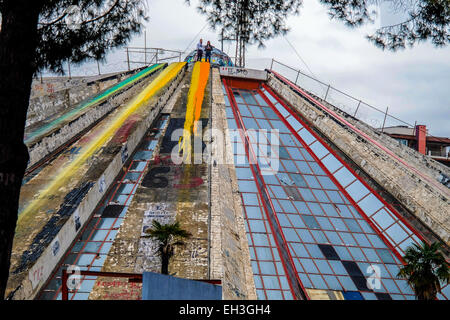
x=146 y=56
x=373 y=116
x=129 y=59
x=377 y=118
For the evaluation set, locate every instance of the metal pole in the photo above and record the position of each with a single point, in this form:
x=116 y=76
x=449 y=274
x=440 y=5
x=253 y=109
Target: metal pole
x=145 y=47
x=68 y=65
x=221 y=40
x=271 y=65
x=384 y=121
x=298 y=73
x=98 y=67
x=65 y=290
x=359 y=103
x=243 y=54
x=128 y=60
x=326 y=94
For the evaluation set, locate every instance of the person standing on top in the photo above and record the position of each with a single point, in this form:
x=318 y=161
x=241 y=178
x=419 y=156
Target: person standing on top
x=200 y=50
x=208 y=49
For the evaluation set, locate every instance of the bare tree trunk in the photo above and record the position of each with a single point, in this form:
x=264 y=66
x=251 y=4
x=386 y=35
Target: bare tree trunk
x=18 y=36
x=164 y=264
x=236 y=56
x=243 y=52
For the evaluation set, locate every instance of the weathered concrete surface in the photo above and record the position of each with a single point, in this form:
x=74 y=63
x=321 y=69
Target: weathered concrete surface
x=48 y=243
x=230 y=256
x=425 y=163
x=423 y=199
x=44 y=145
x=48 y=85
x=55 y=95
x=180 y=192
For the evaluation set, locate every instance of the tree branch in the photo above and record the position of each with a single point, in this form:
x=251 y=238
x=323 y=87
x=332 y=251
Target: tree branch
x=83 y=22
x=103 y=15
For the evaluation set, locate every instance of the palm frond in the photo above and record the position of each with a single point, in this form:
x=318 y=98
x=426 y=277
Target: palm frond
x=425 y=269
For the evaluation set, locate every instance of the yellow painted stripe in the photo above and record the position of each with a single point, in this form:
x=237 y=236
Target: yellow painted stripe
x=203 y=80
x=199 y=79
x=66 y=173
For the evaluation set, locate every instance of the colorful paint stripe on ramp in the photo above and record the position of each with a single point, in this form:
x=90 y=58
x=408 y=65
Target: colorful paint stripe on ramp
x=69 y=171
x=46 y=128
x=200 y=75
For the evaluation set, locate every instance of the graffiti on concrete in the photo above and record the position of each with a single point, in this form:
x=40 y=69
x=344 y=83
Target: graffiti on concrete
x=154 y=178
x=120 y=290
x=124 y=153
x=148 y=258
x=179 y=177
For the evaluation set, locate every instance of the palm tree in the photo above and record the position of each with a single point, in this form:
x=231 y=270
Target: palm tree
x=425 y=269
x=169 y=235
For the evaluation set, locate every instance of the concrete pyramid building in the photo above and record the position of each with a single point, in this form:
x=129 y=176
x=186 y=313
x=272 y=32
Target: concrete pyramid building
x=285 y=195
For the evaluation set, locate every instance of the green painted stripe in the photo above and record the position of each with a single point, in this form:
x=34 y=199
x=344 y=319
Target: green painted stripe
x=102 y=96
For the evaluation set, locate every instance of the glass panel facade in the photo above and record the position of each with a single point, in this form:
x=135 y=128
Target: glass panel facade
x=322 y=209
x=92 y=246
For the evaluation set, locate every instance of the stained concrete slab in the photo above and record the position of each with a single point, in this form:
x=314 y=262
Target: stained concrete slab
x=168 y=192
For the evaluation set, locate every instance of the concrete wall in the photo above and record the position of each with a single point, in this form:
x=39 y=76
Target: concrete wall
x=37 y=274
x=55 y=95
x=230 y=256
x=53 y=141
x=48 y=85
x=425 y=163
x=425 y=200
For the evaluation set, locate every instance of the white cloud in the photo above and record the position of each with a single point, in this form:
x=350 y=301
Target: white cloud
x=414 y=82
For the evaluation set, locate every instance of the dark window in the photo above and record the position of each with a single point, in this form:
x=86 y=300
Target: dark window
x=383 y=296
x=352 y=268
x=329 y=252
x=112 y=211
x=360 y=283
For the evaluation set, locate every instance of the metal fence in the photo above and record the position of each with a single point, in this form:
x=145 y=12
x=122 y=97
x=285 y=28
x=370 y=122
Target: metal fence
x=119 y=61
x=145 y=56
x=135 y=57
x=373 y=116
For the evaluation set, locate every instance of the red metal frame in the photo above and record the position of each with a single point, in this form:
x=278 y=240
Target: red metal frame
x=307 y=126
x=240 y=125
x=319 y=162
x=354 y=204
x=269 y=103
x=260 y=273
x=238 y=119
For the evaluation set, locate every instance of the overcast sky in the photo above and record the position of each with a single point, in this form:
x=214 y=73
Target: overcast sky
x=413 y=83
